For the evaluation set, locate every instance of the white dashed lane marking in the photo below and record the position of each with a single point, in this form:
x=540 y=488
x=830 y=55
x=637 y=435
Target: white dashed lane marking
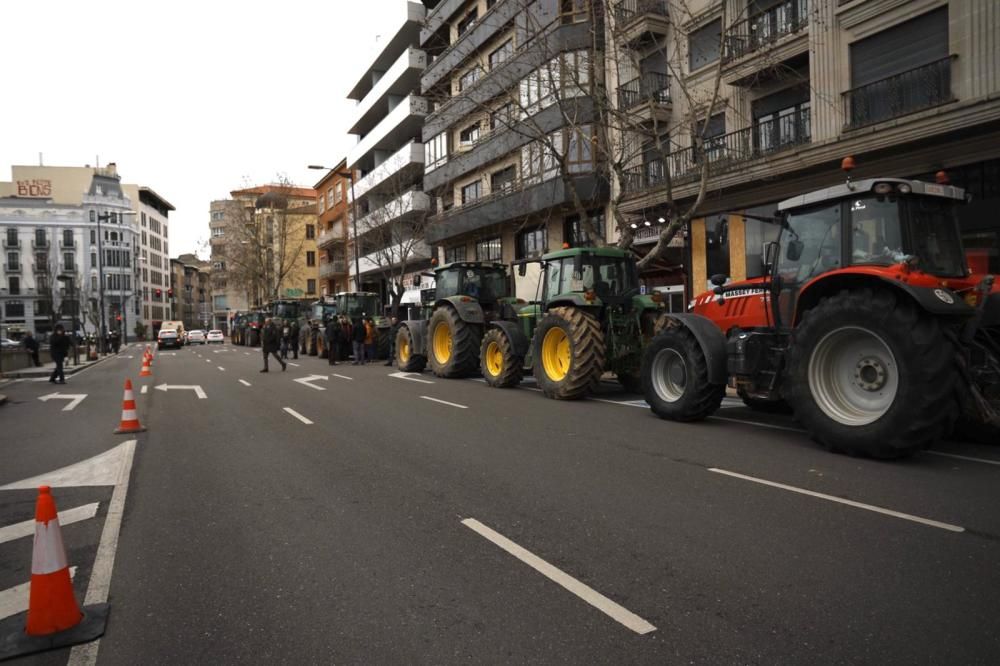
x=297 y=415
x=444 y=402
x=244 y=382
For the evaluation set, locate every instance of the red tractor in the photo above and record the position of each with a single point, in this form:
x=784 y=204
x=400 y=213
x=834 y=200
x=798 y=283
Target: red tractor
x=867 y=325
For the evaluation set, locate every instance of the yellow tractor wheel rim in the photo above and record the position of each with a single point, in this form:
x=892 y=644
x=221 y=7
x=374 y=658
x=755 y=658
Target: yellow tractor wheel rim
x=494 y=359
x=442 y=343
x=556 y=357
x=404 y=351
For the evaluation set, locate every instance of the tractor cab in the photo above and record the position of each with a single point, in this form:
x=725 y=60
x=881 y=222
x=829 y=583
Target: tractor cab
x=487 y=283
x=355 y=304
x=322 y=312
x=590 y=276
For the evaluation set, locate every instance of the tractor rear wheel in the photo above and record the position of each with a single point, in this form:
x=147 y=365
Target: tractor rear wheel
x=568 y=350
x=453 y=344
x=871 y=374
x=406 y=360
x=675 y=377
x=501 y=367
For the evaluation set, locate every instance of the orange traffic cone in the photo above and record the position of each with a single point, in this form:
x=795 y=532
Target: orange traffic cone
x=130 y=420
x=145 y=372
x=54 y=618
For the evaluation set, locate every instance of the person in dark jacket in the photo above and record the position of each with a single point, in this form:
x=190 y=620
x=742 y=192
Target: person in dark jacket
x=345 y=338
x=31 y=347
x=59 y=348
x=293 y=338
x=332 y=333
x=270 y=342
x=393 y=330
x=358 y=333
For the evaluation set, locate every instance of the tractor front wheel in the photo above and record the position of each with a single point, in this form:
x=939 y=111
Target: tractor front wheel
x=453 y=344
x=406 y=360
x=500 y=366
x=675 y=377
x=869 y=373
x=568 y=350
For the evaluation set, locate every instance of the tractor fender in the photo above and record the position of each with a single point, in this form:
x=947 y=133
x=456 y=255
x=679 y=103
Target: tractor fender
x=418 y=336
x=939 y=301
x=468 y=309
x=712 y=343
x=518 y=340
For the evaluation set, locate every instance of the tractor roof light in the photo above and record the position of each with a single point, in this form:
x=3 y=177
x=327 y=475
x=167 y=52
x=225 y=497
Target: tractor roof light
x=941 y=178
x=904 y=188
x=882 y=188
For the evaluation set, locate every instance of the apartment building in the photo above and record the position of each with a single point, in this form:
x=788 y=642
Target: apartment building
x=70 y=248
x=509 y=142
x=387 y=161
x=152 y=212
x=190 y=291
x=908 y=88
x=333 y=219
x=263 y=244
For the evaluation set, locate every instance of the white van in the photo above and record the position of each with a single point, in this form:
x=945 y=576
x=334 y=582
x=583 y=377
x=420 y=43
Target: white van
x=178 y=327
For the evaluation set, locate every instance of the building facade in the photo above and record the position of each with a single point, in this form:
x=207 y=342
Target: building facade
x=908 y=88
x=387 y=161
x=70 y=251
x=509 y=142
x=152 y=213
x=332 y=222
x=190 y=291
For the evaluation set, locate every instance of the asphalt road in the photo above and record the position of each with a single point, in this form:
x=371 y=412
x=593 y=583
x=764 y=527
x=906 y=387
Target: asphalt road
x=389 y=520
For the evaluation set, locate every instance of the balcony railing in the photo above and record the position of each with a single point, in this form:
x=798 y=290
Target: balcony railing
x=7 y=242
x=330 y=268
x=764 y=29
x=914 y=90
x=722 y=153
x=626 y=10
x=12 y=268
x=334 y=235
x=650 y=87
x=40 y=244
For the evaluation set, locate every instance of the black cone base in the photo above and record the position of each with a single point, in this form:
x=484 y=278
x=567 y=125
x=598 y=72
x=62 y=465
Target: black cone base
x=15 y=643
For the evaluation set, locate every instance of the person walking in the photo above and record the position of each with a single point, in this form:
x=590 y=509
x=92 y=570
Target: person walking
x=358 y=333
x=59 y=348
x=270 y=342
x=393 y=329
x=293 y=338
x=332 y=334
x=284 y=334
x=31 y=349
x=370 y=336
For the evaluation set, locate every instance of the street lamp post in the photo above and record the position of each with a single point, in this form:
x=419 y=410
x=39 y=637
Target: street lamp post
x=354 y=220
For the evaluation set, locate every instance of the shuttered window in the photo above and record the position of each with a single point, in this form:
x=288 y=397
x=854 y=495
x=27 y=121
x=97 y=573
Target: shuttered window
x=909 y=45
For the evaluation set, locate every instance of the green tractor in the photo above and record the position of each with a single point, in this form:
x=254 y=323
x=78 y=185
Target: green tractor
x=357 y=304
x=591 y=318
x=318 y=316
x=467 y=296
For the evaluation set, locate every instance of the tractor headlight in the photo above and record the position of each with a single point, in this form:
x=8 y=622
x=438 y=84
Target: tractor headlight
x=904 y=188
x=882 y=188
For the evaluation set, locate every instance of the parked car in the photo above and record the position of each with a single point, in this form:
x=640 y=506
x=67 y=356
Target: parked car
x=168 y=338
x=215 y=335
x=196 y=336
x=7 y=342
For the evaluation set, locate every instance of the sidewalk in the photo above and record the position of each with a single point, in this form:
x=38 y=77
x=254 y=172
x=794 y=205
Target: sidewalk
x=68 y=368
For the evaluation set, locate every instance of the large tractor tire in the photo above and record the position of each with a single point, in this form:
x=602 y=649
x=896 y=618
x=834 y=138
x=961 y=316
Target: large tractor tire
x=406 y=360
x=871 y=374
x=383 y=343
x=675 y=377
x=763 y=405
x=453 y=345
x=568 y=350
x=501 y=367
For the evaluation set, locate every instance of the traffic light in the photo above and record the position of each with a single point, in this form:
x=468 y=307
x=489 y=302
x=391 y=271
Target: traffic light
x=118 y=318
x=170 y=293
x=159 y=292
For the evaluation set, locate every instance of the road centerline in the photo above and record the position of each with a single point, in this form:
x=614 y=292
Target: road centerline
x=444 y=402
x=840 y=500
x=297 y=415
x=613 y=610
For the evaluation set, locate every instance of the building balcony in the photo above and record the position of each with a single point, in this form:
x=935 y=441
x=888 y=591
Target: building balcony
x=416 y=252
x=721 y=154
x=517 y=200
x=406 y=206
x=12 y=268
x=399 y=25
x=332 y=269
x=406 y=162
x=329 y=237
x=399 y=126
x=646 y=97
x=43 y=244
x=911 y=91
x=41 y=269
x=639 y=22
x=781 y=32
x=400 y=80
x=67 y=245
x=11 y=243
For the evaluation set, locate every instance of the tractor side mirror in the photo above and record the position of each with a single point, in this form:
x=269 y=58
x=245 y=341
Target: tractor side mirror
x=718 y=279
x=522 y=269
x=794 y=250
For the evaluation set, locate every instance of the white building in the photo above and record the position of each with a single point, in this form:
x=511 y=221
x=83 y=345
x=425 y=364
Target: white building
x=152 y=213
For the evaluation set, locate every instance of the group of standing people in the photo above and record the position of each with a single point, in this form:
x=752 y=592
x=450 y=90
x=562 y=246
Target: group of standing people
x=359 y=336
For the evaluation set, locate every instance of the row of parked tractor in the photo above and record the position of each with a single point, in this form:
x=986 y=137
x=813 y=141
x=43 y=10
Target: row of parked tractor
x=867 y=325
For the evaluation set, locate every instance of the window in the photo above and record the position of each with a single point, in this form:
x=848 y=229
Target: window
x=469 y=135
x=574 y=233
x=575 y=73
x=573 y=11
x=310 y=258
x=501 y=54
x=310 y=231
x=41 y=261
x=503 y=180
x=13 y=261
x=93 y=283
x=93 y=236
x=67 y=238
x=538 y=162
x=579 y=149
x=488 y=250
x=502 y=117
x=14 y=309
x=469 y=78
x=532 y=243
x=781 y=120
x=471 y=192
x=436 y=151
x=338 y=194
x=467 y=22
x=310 y=286
x=40 y=239
x=218 y=232
x=93 y=258
x=453 y=254
x=68 y=261
x=14 y=285
x=714 y=145
x=703 y=45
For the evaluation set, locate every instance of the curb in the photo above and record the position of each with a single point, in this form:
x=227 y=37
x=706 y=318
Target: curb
x=68 y=370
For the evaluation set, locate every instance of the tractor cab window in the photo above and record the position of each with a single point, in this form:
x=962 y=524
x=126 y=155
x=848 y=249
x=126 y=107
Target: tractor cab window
x=876 y=232
x=484 y=285
x=356 y=305
x=286 y=310
x=811 y=244
x=605 y=275
x=933 y=228
x=446 y=283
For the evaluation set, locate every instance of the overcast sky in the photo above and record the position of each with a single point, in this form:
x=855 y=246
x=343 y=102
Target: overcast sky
x=189 y=98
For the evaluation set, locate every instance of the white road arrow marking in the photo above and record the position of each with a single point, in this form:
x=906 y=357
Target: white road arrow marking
x=67 y=517
x=75 y=399
x=101 y=470
x=409 y=375
x=195 y=388
x=343 y=376
x=311 y=378
x=14 y=600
